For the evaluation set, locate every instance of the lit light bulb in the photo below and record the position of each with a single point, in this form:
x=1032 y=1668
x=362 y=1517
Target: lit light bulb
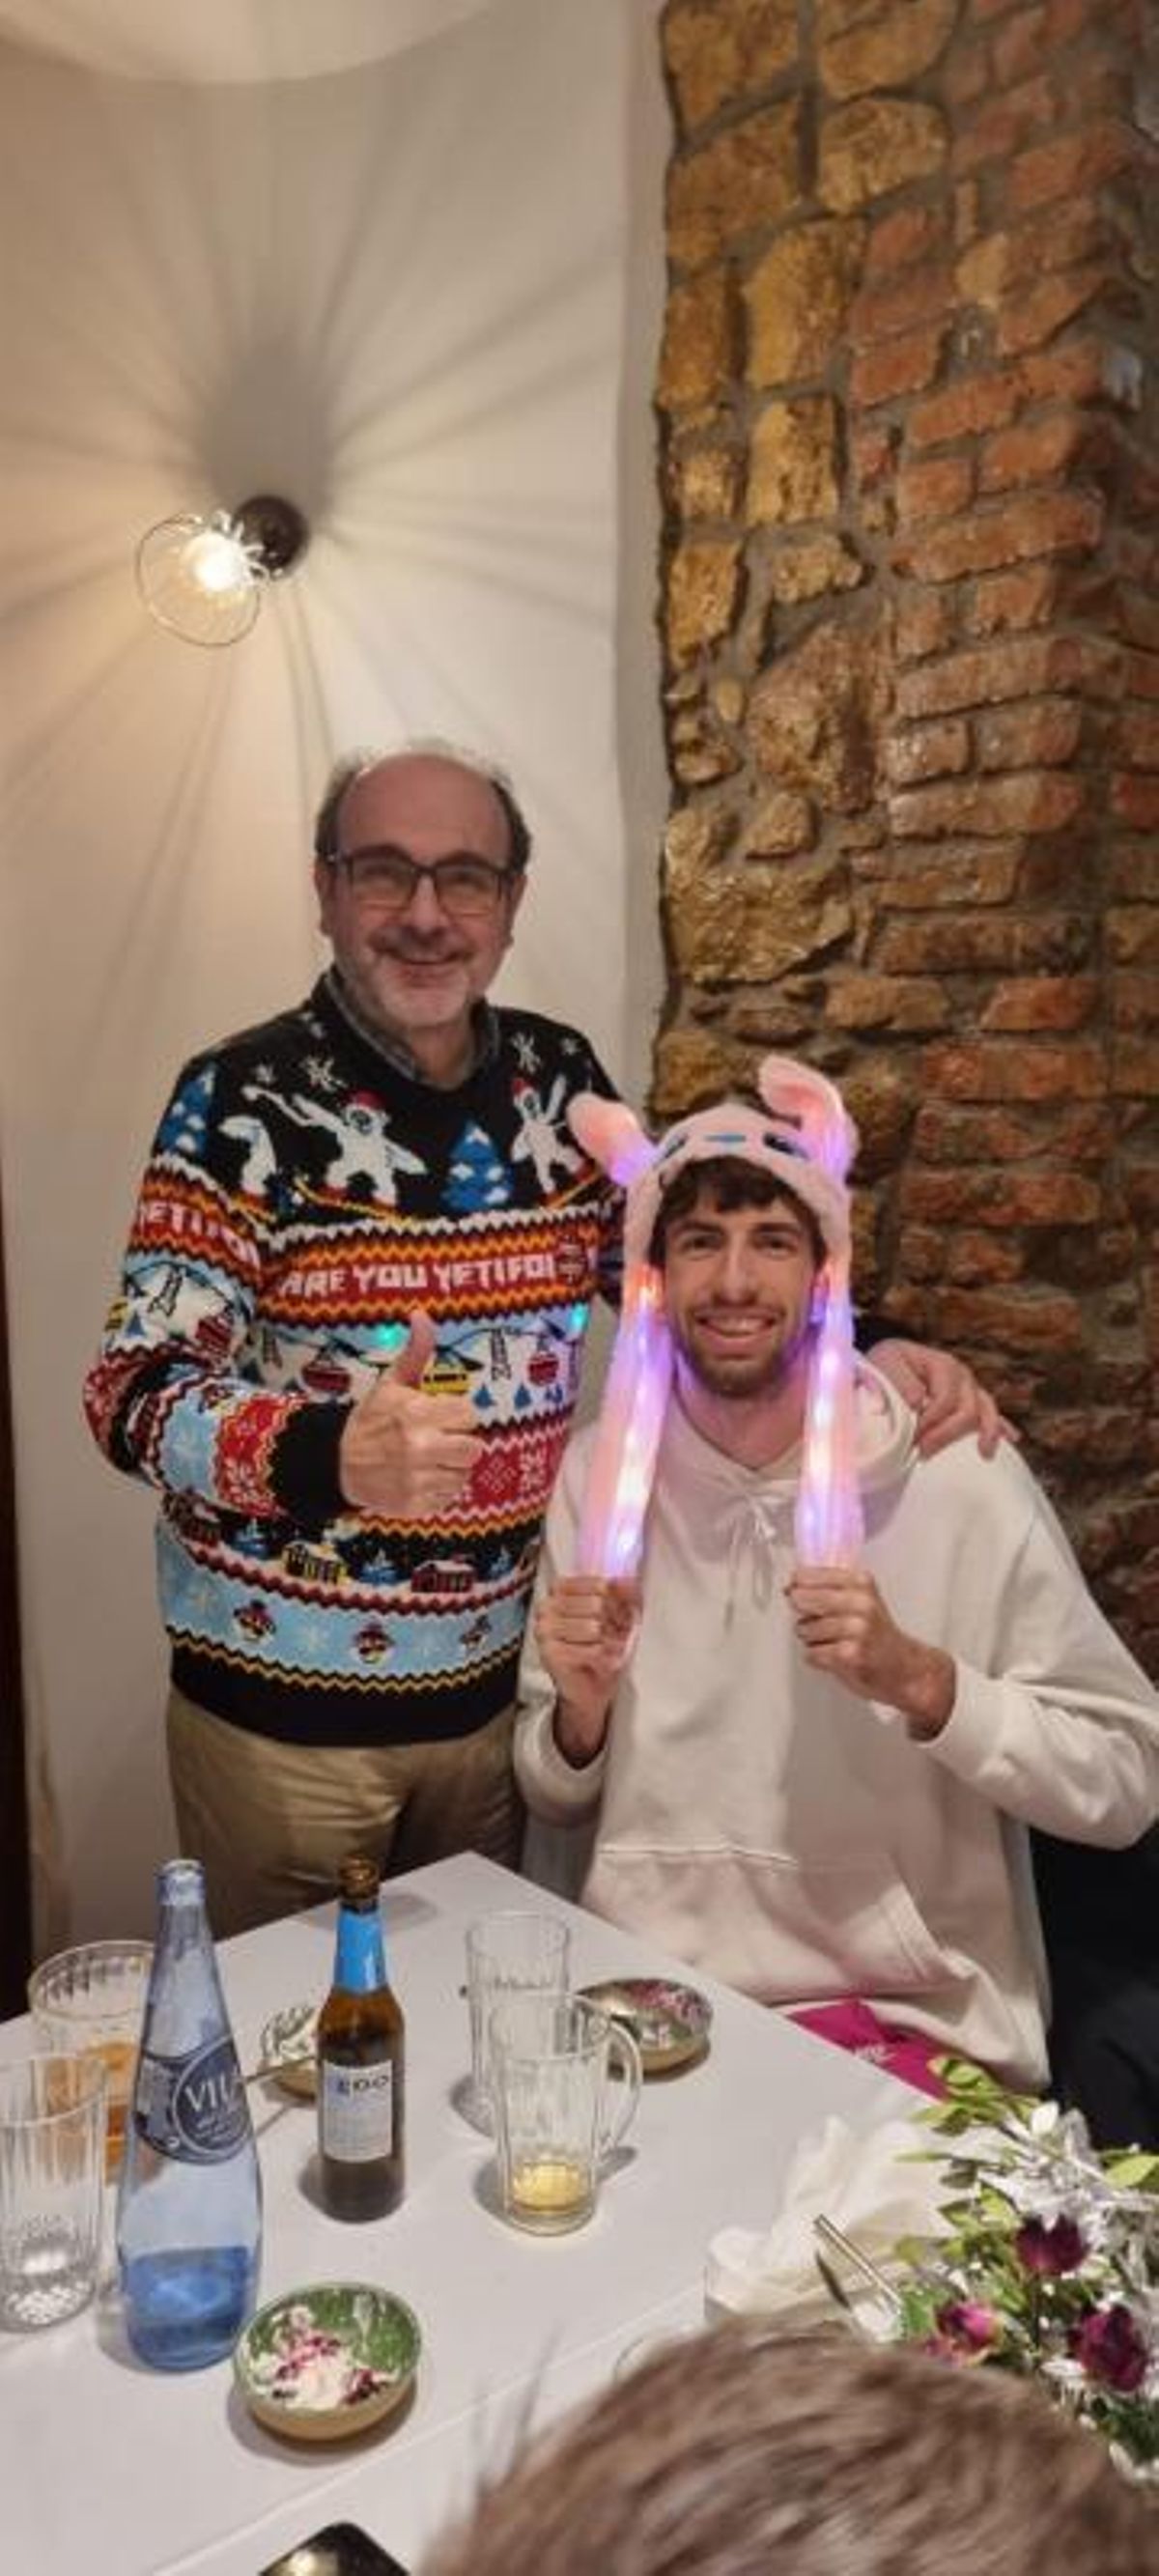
x=203 y=578
x=217 y=561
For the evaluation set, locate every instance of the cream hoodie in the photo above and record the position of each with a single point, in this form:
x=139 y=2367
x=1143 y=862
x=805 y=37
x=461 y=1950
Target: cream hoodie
x=760 y=1822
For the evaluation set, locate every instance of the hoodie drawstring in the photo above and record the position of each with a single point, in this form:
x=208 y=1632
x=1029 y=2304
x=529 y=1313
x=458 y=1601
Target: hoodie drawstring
x=759 y=1526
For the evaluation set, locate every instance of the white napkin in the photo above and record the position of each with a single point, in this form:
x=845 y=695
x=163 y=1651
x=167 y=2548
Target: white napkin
x=858 y=2181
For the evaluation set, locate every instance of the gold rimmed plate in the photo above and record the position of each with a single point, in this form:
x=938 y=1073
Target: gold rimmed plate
x=322 y=2364
x=669 y=2023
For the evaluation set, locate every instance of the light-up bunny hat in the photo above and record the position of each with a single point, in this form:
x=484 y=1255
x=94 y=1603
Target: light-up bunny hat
x=806 y=1139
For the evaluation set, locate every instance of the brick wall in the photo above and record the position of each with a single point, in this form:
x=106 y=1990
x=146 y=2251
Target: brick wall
x=909 y=395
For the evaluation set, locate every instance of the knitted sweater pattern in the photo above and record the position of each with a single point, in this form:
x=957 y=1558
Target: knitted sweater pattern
x=302 y=1197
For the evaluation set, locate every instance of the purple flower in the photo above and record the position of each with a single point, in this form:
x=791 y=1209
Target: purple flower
x=1050 y=2250
x=1111 y=2348
x=966 y=2329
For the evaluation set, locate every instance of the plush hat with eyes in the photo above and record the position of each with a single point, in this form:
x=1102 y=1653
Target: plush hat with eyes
x=806 y=1140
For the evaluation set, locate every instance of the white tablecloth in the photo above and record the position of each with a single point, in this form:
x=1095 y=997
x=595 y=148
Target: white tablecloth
x=122 y=2471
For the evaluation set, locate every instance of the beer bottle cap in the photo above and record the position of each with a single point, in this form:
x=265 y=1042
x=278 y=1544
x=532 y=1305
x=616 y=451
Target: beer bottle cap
x=358 y=1877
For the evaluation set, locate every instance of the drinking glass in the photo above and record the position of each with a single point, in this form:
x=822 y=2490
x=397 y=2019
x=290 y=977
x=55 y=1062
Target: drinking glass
x=90 y=2002
x=52 y=2152
x=513 y=1952
x=556 y=2119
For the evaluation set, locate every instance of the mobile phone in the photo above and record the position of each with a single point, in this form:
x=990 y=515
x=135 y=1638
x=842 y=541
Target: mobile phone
x=342 y=2549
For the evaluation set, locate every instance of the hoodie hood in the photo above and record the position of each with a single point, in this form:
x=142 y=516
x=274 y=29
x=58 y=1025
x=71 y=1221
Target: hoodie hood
x=886 y=1445
x=754 y=1507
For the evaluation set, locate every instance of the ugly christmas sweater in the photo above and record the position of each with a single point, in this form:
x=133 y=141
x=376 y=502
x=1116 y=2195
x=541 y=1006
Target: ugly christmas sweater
x=303 y=1195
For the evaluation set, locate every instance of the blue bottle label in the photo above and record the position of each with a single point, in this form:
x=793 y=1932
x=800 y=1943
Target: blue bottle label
x=360 y=1958
x=192 y=2108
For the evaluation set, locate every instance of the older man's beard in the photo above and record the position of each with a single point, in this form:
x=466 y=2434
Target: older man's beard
x=388 y=1003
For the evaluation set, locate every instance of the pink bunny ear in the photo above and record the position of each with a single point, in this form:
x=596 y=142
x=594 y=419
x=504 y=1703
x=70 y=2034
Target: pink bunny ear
x=611 y=1133
x=808 y=1110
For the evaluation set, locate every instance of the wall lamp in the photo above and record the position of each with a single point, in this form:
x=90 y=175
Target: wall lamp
x=203 y=577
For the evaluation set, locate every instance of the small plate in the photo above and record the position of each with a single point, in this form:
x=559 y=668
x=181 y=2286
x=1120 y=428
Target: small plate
x=286 y=2049
x=321 y=2364
x=670 y=2024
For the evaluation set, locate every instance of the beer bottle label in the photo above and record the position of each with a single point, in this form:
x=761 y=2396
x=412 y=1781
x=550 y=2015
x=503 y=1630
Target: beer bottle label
x=192 y=2108
x=357 y=2111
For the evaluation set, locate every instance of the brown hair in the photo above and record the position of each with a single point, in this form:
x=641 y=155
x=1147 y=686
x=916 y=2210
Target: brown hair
x=809 y=2455
x=725 y=1182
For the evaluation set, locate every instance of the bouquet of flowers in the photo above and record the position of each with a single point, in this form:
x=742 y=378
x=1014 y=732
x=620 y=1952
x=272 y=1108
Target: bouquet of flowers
x=1051 y=2265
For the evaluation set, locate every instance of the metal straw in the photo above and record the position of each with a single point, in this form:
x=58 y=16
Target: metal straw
x=838 y=2243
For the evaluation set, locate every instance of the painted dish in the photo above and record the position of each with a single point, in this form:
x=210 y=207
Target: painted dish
x=670 y=2024
x=319 y=2365
x=287 y=2049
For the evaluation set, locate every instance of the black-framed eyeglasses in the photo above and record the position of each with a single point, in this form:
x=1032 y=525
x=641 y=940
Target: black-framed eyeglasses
x=387 y=880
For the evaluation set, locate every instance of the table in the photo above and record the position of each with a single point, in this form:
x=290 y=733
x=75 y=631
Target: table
x=129 y=2472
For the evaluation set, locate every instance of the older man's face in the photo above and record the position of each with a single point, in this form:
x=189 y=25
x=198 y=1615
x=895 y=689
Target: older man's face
x=416 y=972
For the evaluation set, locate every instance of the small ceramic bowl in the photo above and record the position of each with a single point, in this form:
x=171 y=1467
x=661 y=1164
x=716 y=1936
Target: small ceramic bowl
x=322 y=2364
x=669 y=2023
x=287 y=2049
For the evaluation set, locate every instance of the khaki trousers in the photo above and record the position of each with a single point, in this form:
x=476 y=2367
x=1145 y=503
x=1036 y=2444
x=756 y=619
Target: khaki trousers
x=270 y=1822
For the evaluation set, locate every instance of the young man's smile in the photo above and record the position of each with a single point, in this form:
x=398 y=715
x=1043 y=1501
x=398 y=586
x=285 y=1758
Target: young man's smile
x=738 y=1287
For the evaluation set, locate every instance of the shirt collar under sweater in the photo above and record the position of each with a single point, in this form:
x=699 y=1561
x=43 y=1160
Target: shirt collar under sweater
x=395 y=1051
x=752 y=1507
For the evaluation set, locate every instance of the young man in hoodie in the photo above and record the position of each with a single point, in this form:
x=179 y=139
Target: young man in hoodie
x=814 y=1779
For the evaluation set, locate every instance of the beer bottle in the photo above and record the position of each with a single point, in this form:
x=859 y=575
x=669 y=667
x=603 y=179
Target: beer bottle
x=361 y=2053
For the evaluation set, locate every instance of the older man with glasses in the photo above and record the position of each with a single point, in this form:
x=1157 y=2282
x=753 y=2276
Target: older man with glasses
x=346 y=1351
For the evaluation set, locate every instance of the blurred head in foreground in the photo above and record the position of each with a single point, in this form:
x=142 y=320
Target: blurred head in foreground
x=809 y=2455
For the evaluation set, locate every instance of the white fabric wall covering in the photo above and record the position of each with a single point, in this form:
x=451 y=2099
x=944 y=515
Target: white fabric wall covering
x=422 y=299
x=228 y=40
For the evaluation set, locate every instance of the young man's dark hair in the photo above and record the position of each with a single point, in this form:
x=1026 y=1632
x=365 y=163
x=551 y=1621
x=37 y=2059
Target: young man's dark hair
x=724 y=1182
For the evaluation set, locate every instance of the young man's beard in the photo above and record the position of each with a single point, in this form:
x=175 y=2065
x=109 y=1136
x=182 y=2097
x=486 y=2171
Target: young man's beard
x=748 y=1375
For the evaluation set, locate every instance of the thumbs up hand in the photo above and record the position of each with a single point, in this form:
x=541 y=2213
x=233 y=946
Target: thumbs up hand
x=405 y=1455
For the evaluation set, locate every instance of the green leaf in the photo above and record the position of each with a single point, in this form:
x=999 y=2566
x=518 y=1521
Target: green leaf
x=1135 y=2170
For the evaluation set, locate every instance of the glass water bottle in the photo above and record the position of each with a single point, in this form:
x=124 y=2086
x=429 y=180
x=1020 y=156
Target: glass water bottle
x=189 y=2210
